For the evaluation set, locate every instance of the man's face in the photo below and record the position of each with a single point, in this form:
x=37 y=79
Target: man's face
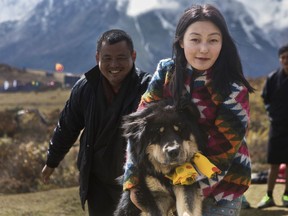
x=283 y=58
x=115 y=62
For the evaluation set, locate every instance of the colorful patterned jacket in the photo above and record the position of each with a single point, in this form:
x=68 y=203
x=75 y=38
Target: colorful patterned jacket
x=224 y=119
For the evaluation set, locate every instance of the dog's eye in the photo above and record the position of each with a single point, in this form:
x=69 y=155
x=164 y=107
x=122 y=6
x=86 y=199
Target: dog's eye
x=161 y=129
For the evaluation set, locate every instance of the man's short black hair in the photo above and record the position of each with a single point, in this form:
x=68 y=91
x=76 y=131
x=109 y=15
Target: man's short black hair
x=114 y=36
x=283 y=49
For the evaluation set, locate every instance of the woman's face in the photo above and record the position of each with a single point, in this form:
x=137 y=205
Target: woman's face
x=202 y=44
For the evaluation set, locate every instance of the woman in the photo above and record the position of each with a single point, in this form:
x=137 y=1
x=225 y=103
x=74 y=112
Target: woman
x=206 y=67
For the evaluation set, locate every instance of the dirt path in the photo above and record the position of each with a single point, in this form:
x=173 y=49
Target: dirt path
x=65 y=202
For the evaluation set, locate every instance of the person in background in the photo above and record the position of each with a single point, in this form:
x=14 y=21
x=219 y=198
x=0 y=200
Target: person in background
x=206 y=69
x=274 y=95
x=98 y=101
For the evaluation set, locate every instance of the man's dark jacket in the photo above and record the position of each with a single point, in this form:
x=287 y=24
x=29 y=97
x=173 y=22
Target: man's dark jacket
x=274 y=93
x=102 y=147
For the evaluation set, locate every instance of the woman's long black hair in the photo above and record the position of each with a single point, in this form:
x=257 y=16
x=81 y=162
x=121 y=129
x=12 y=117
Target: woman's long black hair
x=227 y=68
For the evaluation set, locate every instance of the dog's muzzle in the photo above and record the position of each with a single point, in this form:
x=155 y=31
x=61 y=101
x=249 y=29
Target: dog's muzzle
x=172 y=152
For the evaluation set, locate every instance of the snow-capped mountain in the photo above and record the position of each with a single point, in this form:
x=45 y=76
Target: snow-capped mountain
x=38 y=33
x=271 y=16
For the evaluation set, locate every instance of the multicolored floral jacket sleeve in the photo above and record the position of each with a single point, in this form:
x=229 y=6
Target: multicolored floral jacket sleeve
x=225 y=121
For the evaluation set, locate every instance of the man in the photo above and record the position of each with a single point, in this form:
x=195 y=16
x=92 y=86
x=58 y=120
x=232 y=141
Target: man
x=98 y=101
x=275 y=99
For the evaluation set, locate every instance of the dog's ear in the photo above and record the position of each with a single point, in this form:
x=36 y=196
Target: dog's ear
x=134 y=124
x=132 y=127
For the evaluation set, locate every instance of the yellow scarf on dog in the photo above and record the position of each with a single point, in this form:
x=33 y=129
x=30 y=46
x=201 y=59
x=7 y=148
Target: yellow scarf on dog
x=186 y=174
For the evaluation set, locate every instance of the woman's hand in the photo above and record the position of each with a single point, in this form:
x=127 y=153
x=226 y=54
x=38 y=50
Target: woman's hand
x=133 y=198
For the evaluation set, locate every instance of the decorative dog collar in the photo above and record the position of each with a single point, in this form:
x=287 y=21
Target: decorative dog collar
x=186 y=174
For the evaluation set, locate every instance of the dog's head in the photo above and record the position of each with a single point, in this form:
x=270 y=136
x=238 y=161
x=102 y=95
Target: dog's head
x=167 y=135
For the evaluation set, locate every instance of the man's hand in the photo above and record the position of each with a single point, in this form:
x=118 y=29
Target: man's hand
x=46 y=173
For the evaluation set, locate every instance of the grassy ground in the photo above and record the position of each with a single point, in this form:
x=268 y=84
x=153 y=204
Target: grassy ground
x=254 y=195
x=60 y=202
x=44 y=101
x=65 y=202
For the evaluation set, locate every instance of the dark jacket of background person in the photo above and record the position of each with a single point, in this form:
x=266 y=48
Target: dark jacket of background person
x=275 y=94
x=102 y=143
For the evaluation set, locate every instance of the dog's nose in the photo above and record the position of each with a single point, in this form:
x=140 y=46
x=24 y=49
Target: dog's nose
x=172 y=152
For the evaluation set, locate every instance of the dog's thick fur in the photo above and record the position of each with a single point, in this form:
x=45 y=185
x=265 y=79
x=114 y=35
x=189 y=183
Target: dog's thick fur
x=161 y=138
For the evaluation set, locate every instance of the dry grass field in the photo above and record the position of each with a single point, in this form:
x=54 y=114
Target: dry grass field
x=45 y=101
